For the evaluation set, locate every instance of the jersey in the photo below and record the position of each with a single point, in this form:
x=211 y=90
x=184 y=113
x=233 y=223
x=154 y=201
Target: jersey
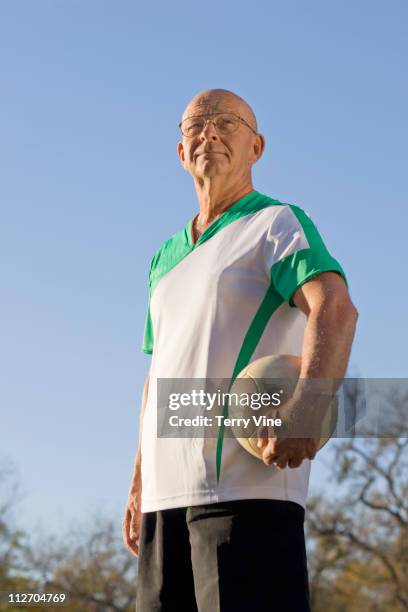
x=215 y=306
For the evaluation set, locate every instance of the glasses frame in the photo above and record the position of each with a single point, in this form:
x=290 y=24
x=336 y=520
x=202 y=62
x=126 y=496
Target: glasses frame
x=241 y=119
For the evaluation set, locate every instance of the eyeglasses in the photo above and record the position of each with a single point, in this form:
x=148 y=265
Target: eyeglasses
x=224 y=123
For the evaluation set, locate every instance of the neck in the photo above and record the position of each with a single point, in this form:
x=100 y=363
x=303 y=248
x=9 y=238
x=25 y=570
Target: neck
x=214 y=197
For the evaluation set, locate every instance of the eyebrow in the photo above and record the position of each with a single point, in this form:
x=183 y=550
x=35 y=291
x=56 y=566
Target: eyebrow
x=220 y=112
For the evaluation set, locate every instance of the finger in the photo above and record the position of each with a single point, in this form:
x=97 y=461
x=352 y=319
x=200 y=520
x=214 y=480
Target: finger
x=132 y=545
x=271 y=432
x=134 y=548
x=125 y=524
x=311 y=448
x=269 y=454
x=295 y=462
x=281 y=454
x=135 y=545
x=261 y=434
x=135 y=527
x=129 y=543
x=130 y=529
x=128 y=538
x=281 y=462
x=263 y=440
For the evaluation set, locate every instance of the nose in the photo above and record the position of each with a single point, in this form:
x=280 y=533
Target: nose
x=209 y=131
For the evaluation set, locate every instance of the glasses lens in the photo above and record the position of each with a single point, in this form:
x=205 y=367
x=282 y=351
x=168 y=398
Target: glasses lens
x=192 y=126
x=224 y=123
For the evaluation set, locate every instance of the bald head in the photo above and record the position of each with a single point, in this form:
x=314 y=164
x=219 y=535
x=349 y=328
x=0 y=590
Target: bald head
x=216 y=155
x=218 y=101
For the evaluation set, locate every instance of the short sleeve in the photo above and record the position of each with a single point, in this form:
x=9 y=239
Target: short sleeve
x=147 y=344
x=308 y=257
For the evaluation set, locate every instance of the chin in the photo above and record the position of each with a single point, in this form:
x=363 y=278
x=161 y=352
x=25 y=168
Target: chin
x=212 y=169
x=211 y=173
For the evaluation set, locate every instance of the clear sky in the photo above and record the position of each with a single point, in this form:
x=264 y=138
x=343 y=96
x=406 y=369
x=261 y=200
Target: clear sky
x=90 y=186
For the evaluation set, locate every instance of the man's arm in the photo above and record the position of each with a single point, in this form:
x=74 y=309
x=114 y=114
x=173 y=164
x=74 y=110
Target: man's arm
x=133 y=515
x=329 y=333
x=138 y=458
x=331 y=324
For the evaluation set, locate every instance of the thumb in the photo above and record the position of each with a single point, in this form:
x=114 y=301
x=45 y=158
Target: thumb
x=262 y=442
x=261 y=433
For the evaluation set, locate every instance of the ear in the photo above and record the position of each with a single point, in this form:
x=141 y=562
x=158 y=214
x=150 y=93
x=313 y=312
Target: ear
x=258 y=148
x=180 y=151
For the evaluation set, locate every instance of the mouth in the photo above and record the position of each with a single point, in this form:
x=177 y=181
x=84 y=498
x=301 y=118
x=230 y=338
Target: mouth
x=208 y=153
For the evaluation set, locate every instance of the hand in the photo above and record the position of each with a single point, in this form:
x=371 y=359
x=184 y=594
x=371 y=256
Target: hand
x=284 y=451
x=287 y=452
x=133 y=518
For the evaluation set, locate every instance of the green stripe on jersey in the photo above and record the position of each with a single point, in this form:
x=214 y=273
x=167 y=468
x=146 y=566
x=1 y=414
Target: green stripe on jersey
x=269 y=304
x=292 y=271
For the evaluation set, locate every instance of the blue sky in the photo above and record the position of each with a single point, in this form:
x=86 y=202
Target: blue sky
x=90 y=186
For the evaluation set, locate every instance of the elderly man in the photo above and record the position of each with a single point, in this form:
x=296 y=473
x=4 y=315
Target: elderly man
x=249 y=276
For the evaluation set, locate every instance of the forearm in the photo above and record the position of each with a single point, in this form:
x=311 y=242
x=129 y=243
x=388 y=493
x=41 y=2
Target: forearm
x=138 y=457
x=132 y=522
x=327 y=341
x=326 y=351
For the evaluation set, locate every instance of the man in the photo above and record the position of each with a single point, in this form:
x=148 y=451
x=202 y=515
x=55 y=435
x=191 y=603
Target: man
x=249 y=276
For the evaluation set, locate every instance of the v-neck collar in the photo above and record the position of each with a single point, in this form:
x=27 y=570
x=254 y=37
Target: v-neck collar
x=229 y=215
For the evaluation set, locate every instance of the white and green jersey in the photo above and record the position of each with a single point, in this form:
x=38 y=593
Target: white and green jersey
x=215 y=306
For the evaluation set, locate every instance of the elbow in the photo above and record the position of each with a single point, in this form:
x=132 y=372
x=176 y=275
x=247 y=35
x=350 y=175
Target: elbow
x=341 y=309
x=352 y=311
x=346 y=315
x=354 y=314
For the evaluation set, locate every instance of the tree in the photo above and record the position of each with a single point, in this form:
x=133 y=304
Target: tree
x=359 y=544
x=91 y=566
x=12 y=539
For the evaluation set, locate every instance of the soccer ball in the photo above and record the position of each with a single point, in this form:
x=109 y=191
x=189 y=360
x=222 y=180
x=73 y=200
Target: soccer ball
x=274 y=377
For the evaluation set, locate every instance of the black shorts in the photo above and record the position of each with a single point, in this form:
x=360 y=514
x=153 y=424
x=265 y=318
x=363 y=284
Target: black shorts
x=237 y=556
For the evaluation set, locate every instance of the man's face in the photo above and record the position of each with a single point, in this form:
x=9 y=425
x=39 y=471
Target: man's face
x=211 y=153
